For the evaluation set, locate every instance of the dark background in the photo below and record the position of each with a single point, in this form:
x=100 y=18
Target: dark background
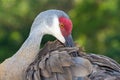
x=96 y=24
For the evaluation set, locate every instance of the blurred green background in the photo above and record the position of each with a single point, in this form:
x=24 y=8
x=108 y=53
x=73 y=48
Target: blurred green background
x=96 y=24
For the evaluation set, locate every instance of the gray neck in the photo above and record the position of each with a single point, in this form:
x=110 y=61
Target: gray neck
x=15 y=66
x=30 y=48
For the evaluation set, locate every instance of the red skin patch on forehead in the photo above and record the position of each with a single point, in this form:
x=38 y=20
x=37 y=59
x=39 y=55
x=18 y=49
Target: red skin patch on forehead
x=67 y=28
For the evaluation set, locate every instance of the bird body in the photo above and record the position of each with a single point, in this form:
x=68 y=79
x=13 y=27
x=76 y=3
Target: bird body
x=55 y=62
x=46 y=22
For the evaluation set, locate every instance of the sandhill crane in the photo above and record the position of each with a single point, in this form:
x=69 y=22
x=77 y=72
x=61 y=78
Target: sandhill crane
x=52 y=63
x=53 y=22
x=56 y=62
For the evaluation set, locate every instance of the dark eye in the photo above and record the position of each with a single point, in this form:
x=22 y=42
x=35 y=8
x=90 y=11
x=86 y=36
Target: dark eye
x=61 y=25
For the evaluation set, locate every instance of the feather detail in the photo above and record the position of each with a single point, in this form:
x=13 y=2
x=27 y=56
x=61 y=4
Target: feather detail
x=57 y=63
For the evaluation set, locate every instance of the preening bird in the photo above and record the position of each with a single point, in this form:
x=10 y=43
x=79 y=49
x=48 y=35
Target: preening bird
x=54 y=22
x=57 y=62
x=53 y=62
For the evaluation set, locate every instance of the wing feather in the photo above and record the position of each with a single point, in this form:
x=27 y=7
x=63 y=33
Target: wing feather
x=55 y=62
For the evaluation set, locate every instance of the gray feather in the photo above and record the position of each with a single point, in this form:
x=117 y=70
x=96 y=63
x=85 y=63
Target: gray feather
x=57 y=63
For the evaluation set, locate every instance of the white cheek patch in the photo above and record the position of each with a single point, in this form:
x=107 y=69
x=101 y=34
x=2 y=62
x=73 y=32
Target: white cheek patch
x=56 y=24
x=56 y=30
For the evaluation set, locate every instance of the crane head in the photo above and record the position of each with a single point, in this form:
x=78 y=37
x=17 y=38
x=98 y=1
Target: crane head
x=65 y=25
x=55 y=23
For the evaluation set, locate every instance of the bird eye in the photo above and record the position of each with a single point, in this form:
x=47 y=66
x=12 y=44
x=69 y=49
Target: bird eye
x=61 y=25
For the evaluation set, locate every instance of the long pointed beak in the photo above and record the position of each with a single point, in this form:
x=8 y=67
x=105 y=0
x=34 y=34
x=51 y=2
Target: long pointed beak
x=69 y=41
